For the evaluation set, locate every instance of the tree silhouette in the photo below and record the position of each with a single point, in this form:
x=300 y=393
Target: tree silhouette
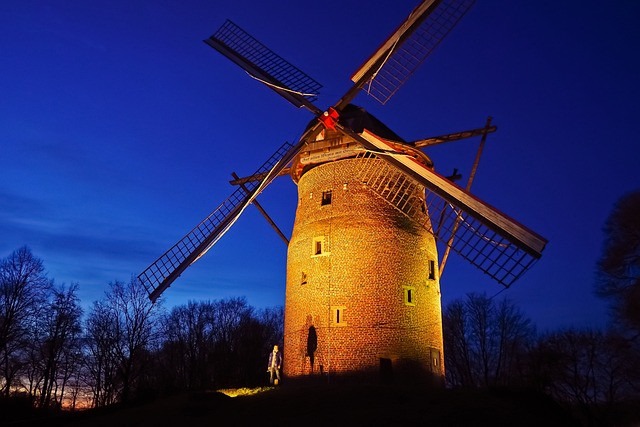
x=101 y=362
x=220 y=343
x=61 y=324
x=618 y=277
x=484 y=341
x=23 y=292
x=188 y=342
x=121 y=331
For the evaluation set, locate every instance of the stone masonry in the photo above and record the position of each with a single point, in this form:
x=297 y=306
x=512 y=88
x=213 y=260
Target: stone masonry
x=362 y=290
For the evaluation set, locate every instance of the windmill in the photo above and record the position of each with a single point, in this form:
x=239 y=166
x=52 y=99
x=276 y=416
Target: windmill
x=363 y=265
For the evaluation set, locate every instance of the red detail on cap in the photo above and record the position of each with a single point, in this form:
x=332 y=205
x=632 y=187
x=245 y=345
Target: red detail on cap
x=329 y=118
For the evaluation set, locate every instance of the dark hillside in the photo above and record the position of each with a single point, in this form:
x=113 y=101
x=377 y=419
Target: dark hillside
x=336 y=406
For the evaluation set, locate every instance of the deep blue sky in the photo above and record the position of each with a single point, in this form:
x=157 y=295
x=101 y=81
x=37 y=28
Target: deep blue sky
x=119 y=129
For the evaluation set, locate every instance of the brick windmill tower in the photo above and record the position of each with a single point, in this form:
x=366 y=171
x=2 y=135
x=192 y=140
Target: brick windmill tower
x=362 y=295
x=363 y=270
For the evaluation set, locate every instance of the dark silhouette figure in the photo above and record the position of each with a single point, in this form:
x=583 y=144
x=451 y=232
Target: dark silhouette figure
x=312 y=345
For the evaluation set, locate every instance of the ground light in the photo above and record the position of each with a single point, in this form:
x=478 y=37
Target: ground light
x=244 y=391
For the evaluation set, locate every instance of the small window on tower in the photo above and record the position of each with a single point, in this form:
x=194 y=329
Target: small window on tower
x=303 y=280
x=326 y=198
x=337 y=316
x=432 y=270
x=319 y=246
x=409 y=295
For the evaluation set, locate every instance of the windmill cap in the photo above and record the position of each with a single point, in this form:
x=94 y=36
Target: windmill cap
x=357 y=118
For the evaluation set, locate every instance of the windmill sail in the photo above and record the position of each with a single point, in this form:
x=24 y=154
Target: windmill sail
x=168 y=267
x=488 y=239
x=402 y=53
x=265 y=65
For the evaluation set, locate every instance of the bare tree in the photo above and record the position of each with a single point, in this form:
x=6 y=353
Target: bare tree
x=120 y=333
x=61 y=323
x=481 y=314
x=515 y=335
x=71 y=371
x=459 y=370
x=217 y=343
x=585 y=367
x=254 y=339
x=229 y=315
x=23 y=288
x=618 y=277
x=273 y=321
x=101 y=361
x=484 y=341
x=618 y=368
x=136 y=322
x=574 y=376
x=188 y=343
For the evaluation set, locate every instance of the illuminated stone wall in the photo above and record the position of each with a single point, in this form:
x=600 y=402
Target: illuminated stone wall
x=370 y=257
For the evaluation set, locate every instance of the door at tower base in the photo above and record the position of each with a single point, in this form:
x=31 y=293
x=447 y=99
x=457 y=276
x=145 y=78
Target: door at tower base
x=362 y=292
